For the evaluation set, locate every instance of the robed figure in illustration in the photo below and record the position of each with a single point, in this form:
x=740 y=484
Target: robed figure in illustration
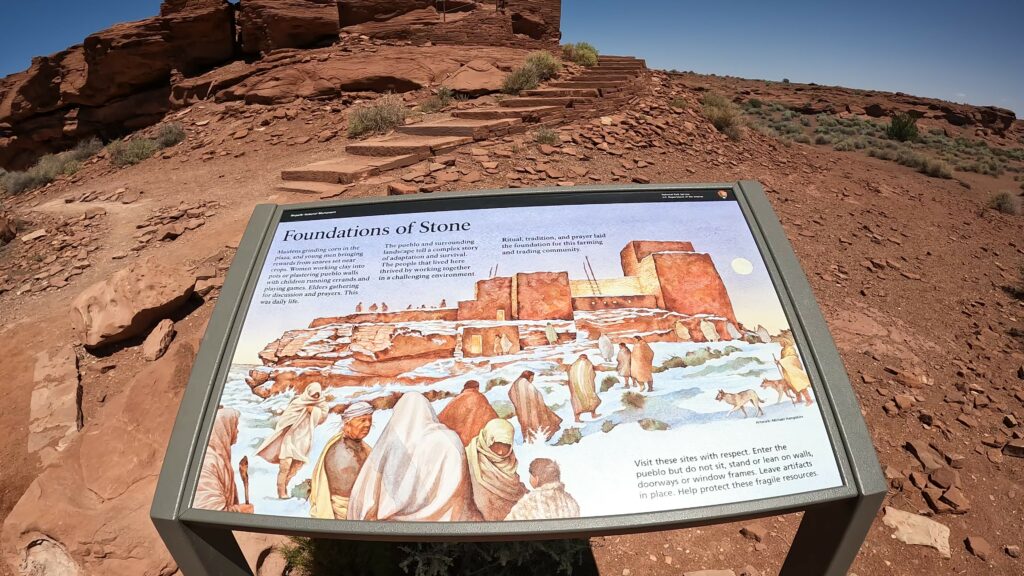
x=622 y=362
x=468 y=412
x=582 y=389
x=217 y=489
x=607 y=349
x=794 y=375
x=417 y=471
x=641 y=364
x=289 y=445
x=339 y=464
x=548 y=499
x=492 y=468
x=535 y=418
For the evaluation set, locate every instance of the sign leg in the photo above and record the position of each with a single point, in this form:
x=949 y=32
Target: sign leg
x=202 y=550
x=830 y=536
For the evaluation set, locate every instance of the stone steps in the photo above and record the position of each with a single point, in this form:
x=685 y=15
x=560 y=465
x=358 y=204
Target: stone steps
x=346 y=168
x=526 y=113
x=322 y=189
x=402 y=144
x=478 y=129
x=590 y=77
x=524 y=101
x=599 y=84
x=572 y=91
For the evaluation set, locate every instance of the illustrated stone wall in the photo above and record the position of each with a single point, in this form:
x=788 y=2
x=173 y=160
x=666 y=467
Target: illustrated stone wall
x=632 y=253
x=689 y=284
x=492 y=295
x=446 y=314
x=612 y=302
x=543 y=296
x=487 y=335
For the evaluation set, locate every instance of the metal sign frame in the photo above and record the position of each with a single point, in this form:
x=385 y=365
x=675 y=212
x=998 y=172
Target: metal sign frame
x=835 y=520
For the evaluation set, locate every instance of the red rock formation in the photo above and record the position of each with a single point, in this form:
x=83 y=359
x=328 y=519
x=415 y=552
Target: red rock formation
x=543 y=296
x=266 y=25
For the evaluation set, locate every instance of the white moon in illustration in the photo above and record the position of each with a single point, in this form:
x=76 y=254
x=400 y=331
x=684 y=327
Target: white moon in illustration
x=742 y=266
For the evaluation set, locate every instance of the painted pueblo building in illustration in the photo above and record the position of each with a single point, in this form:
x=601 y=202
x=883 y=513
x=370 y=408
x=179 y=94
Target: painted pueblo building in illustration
x=668 y=292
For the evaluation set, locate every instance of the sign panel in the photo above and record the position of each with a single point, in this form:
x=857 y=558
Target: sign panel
x=558 y=356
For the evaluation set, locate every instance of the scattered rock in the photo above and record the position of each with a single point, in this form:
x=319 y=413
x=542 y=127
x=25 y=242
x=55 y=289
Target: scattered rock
x=33 y=235
x=158 y=340
x=476 y=77
x=918 y=530
x=1012 y=550
x=756 y=532
x=130 y=302
x=979 y=547
x=8 y=230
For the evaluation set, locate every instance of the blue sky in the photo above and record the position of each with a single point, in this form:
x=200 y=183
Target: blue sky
x=960 y=51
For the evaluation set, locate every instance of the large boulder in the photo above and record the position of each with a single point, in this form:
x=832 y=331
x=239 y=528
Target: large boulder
x=476 y=77
x=130 y=302
x=266 y=25
x=56 y=409
x=88 y=513
x=8 y=229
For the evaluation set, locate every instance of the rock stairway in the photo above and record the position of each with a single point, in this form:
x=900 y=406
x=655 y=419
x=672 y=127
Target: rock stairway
x=599 y=89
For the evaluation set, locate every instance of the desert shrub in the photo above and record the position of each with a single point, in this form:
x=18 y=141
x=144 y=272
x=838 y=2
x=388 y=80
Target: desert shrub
x=902 y=127
x=936 y=168
x=754 y=103
x=822 y=139
x=129 y=152
x=805 y=121
x=802 y=138
x=544 y=63
x=169 y=134
x=634 y=399
x=1004 y=202
x=569 y=436
x=385 y=113
x=672 y=362
x=725 y=115
x=523 y=78
x=608 y=382
x=678 y=102
x=504 y=408
x=49 y=167
x=843 y=146
x=581 y=53
x=438 y=101
x=785 y=80
x=545 y=136
x=309 y=557
x=494 y=383
x=652 y=425
x=607 y=426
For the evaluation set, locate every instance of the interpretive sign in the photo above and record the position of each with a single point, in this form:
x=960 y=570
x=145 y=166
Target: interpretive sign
x=540 y=363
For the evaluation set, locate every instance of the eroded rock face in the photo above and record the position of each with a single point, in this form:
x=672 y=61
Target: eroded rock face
x=130 y=302
x=56 y=408
x=266 y=25
x=8 y=230
x=92 y=505
x=476 y=77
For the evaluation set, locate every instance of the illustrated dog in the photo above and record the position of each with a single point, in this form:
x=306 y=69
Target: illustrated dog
x=781 y=387
x=739 y=399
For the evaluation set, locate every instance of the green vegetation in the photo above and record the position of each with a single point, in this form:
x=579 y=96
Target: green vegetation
x=439 y=101
x=494 y=383
x=902 y=127
x=581 y=53
x=545 y=63
x=169 y=134
x=1004 y=202
x=545 y=136
x=634 y=399
x=652 y=425
x=49 y=167
x=569 y=436
x=522 y=78
x=678 y=102
x=309 y=557
x=130 y=152
x=694 y=358
x=726 y=116
x=540 y=66
x=385 y=113
x=504 y=409
x=608 y=382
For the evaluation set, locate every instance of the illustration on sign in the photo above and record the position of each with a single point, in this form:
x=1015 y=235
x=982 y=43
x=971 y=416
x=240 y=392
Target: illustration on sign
x=518 y=363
